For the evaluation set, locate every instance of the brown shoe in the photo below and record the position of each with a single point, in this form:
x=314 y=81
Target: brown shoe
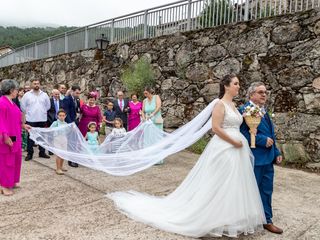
x=59 y=172
x=272 y=228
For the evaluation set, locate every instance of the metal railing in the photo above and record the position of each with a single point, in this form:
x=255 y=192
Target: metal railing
x=178 y=16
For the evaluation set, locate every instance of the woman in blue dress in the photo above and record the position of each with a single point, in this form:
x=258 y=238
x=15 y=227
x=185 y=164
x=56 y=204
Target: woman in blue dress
x=151 y=110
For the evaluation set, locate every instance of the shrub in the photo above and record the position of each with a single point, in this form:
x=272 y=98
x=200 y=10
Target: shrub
x=137 y=76
x=199 y=146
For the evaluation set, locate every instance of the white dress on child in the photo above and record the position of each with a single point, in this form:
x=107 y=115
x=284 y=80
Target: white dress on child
x=218 y=197
x=116 y=134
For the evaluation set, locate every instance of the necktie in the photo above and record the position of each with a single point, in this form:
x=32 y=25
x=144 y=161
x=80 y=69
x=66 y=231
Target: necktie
x=75 y=103
x=121 y=104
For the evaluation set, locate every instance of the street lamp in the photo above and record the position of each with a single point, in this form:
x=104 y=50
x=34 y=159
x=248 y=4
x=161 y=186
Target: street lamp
x=102 y=42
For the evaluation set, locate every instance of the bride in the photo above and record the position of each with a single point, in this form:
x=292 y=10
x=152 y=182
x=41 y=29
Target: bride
x=220 y=194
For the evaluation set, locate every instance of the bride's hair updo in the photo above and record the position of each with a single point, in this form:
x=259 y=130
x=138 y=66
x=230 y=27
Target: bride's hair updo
x=225 y=82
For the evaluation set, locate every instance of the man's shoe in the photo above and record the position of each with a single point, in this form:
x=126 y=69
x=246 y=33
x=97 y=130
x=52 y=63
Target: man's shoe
x=72 y=164
x=28 y=158
x=44 y=155
x=272 y=228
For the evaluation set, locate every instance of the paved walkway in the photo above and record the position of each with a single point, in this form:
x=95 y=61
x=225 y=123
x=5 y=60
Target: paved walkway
x=48 y=206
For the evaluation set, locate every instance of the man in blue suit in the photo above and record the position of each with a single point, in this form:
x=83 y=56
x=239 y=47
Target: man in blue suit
x=71 y=104
x=265 y=153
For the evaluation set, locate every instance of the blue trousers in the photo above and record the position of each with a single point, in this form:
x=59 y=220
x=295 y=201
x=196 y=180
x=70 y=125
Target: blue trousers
x=264 y=176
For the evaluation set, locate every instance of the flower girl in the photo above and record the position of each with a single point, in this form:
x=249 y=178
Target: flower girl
x=92 y=137
x=118 y=131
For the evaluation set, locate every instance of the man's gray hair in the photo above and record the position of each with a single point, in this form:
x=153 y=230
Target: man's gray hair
x=253 y=87
x=55 y=91
x=7 y=85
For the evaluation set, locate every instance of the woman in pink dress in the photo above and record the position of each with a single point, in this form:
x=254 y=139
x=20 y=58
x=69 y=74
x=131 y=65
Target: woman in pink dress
x=90 y=112
x=135 y=112
x=10 y=137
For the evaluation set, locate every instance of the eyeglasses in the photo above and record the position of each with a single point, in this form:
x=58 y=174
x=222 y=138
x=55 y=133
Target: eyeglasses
x=263 y=92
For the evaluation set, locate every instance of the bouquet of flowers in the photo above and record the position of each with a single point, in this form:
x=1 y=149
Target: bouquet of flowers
x=252 y=115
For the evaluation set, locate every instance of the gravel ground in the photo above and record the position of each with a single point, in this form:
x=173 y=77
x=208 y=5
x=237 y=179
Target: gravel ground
x=74 y=206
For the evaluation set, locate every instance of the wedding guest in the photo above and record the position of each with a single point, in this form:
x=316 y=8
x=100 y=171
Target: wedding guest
x=63 y=90
x=152 y=110
x=60 y=142
x=118 y=131
x=35 y=104
x=26 y=88
x=17 y=99
x=121 y=107
x=92 y=137
x=71 y=104
x=55 y=106
x=135 y=112
x=10 y=138
x=24 y=132
x=108 y=118
x=265 y=154
x=20 y=94
x=90 y=112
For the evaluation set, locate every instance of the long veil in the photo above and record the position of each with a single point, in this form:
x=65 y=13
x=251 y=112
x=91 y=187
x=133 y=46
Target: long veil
x=137 y=150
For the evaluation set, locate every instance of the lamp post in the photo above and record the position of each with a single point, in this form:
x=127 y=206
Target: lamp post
x=102 y=42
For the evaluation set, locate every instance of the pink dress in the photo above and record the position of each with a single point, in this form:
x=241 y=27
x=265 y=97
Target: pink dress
x=10 y=126
x=89 y=114
x=134 y=116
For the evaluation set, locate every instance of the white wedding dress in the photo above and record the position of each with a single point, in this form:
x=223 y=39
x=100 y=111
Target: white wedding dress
x=218 y=197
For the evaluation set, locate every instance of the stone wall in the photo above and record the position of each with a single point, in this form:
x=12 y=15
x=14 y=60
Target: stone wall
x=283 y=52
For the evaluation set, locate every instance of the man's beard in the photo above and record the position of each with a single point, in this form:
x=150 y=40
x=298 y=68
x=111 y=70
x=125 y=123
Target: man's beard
x=36 y=88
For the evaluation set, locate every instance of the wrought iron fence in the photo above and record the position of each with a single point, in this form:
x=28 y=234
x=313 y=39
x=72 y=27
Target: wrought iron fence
x=178 y=16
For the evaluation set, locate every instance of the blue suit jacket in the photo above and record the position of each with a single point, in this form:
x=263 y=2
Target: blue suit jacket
x=262 y=154
x=72 y=110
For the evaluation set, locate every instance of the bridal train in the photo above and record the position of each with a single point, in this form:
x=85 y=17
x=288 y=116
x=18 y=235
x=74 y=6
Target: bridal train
x=218 y=197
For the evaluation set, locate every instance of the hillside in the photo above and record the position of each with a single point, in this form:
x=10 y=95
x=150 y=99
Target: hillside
x=17 y=37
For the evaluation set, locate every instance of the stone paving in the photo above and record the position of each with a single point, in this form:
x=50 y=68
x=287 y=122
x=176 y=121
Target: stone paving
x=74 y=206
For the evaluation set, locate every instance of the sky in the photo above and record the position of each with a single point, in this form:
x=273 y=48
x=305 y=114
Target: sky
x=27 y=13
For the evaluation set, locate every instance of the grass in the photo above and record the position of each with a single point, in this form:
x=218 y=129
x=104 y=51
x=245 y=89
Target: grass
x=199 y=146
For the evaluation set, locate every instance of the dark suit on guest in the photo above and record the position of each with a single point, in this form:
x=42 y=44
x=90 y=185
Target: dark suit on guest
x=72 y=106
x=264 y=159
x=122 y=113
x=52 y=112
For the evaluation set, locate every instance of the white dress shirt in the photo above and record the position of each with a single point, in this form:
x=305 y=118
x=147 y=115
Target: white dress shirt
x=35 y=106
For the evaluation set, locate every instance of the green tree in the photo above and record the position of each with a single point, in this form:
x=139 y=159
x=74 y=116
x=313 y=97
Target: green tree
x=137 y=76
x=18 y=37
x=216 y=12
